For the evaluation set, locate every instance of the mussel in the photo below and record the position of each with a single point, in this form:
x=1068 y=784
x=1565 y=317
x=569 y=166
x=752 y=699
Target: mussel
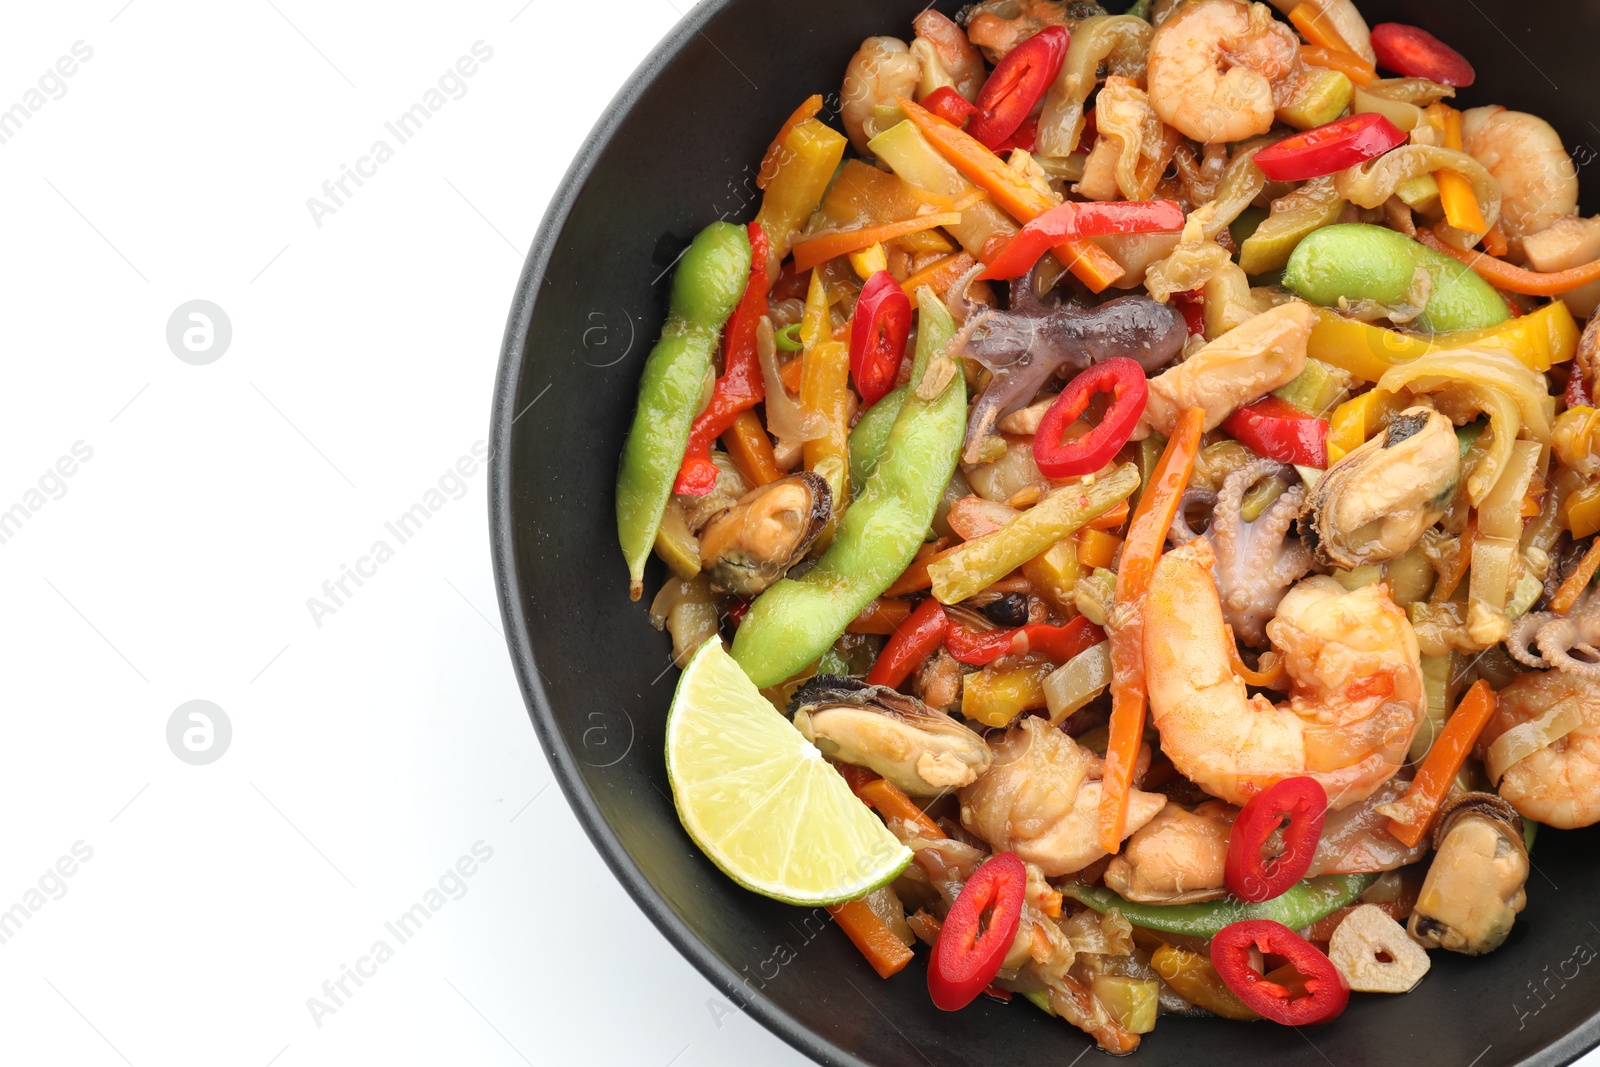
x=1476 y=885
x=750 y=544
x=924 y=752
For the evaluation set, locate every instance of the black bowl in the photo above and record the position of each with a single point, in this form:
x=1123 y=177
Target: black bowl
x=678 y=148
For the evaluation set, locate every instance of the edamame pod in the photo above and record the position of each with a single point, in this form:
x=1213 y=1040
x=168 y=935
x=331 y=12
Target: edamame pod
x=797 y=620
x=1301 y=905
x=1364 y=262
x=870 y=435
x=709 y=281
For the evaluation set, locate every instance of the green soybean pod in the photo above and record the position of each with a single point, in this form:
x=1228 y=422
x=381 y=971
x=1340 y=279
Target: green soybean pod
x=870 y=436
x=709 y=281
x=793 y=623
x=1358 y=261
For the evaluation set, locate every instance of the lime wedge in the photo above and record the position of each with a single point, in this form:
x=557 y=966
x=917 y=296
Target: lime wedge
x=760 y=800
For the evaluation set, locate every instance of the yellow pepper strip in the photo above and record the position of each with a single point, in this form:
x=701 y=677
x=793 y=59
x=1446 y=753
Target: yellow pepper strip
x=1010 y=191
x=994 y=697
x=1356 y=420
x=769 y=162
x=1053 y=574
x=1455 y=191
x=1192 y=976
x=825 y=389
x=814 y=322
x=751 y=450
x=869 y=261
x=1582 y=511
x=1352 y=66
x=795 y=190
x=1540 y=339
x=1096 y=548
x=976 y=565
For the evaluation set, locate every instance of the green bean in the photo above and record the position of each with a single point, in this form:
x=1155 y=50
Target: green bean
x=794 y=622
x=1303 y=904
x=870 y=436
x=709 y=282
x=1357 y=261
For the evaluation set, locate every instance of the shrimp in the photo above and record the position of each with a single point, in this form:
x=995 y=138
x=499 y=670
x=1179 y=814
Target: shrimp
x=882 y=69
x=1355 y=685
x=1218 y=67
x=1041 y=799
x=1538 y=182
x=947 y=57
x=1177 y=857
x=1559 y=784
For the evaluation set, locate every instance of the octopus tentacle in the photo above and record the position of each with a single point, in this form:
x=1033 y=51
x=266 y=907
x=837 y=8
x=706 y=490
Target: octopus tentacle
x=1181 y=532
x=1565 y=642
x=1257 y=561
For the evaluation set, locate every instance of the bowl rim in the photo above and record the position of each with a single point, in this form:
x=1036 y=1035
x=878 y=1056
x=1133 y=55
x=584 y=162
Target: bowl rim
x=1559 y=1052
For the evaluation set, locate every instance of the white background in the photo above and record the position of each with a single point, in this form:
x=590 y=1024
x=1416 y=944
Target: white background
x=367 y=754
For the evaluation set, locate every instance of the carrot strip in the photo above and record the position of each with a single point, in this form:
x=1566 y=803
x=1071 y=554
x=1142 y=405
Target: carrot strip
x=792 y=373
x=1308 y=19
x=1091 y=263
x=886 y=952
x=751 y=449
x=916 y=577
x=1111 y=519
x=1460 y=203
x=1267 y=677
x=1146 y=535
x=1514 y=279
x=1578 y=581
x=770 y=161
x=1442 y=763
x=892 y=803
x=817 y=250
x=881 y=616
x=1445 y=588
x=1494 y=241
x=1349 y=64
x=938 y=276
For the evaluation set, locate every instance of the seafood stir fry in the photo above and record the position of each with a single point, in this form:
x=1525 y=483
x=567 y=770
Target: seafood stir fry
x=1148 y=465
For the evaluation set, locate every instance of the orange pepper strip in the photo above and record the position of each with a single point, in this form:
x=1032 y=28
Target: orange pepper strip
x=774 y=156
x=1443 y=761
x=938 y=276
x=1349 y=64
x=792 y=373
x=1494 y=242
x=916 y=577
x=1514 y=279
x=886 y=952
x=1091 y=263
x=1445 y=588
x=1309 y=20
x=1111 y=519
x=817 y=250
x=1460 y=203
x=1096 y=548
x=880 y=617
x=1146 y=536
x=1573 y=587
x=751 y=449
x=892 y=803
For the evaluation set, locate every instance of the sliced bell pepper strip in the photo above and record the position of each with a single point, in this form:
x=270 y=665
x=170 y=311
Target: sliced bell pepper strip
x=769 y=162
x=810 y=156
x=880 y=326
x=1090 y=263
x=1539 y=339
x=1514 y=279
x=1460 y=203
x=1301 y=906
x=1416 y=53
x=1192 y=977
x=881 y=616
x=1057 y=643
x=1495 y=242
x=751 y=450
x=915 y=578
x=817 y=250
x=949 y=105
x=1019 y=81
x=1074 y=221
x=1298 y=806
x=1147 y=533
x=1119 y=376
x=886 y=952
x=739 y=388
x=1349 y=64
x=913 y=642
x=1314 y=27
x=969 y=951
x=1329 y=149
x=1325 y=994
x=1442 y=763
x=825 y=390
x=1278 y=430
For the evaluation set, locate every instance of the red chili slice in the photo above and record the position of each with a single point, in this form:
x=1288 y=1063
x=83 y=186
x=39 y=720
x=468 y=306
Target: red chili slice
x=1058 y=643
x=948 y=105
x=1120 y=376
x=1326 y=994
x=1073 y=220
x=968 y=953
x=1329 y=149
x=1416 y=53
x=1018 y=83
x=878 y=336
x=914 y=641
x=1303 y=803
x=1192 y=306
x=1279 y=430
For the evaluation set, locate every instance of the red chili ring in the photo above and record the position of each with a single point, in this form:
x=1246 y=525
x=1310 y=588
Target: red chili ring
x=1326 y=994
x=966 y=959
x=1416 y=53
x=881 y=324
x=1330 y=149
x=1303 y=803
x=1124 y=379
